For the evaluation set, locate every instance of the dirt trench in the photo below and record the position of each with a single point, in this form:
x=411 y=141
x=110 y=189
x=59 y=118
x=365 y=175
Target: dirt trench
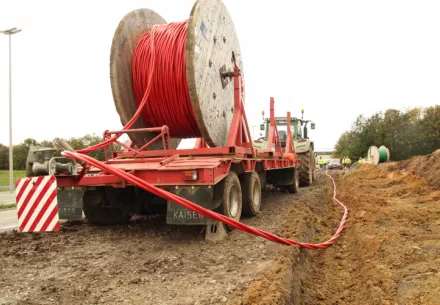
x=149 y=262
x=388 y=253
x=390 y=250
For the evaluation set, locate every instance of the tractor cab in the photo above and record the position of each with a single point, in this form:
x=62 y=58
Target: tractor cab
x=304 y=147
x=295 y=127
x=298 y=127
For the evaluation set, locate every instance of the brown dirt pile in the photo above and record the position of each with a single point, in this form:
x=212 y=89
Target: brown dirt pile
x=425 y=166
x=389 y=252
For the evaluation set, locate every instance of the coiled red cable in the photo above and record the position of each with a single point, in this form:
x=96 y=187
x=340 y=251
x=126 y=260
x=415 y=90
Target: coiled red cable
x=168 y=102
x=160 y=83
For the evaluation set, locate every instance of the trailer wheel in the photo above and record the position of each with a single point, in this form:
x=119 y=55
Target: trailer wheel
x=232 y=198
x=294 y=188
x=97 y=209
x=251 y=194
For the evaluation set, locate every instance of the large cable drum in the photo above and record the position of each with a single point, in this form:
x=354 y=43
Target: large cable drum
x=378 y=155
x=211 y=47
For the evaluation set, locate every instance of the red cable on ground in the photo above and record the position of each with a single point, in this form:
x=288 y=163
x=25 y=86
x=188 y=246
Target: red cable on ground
x=168 y=102
x=207 y=213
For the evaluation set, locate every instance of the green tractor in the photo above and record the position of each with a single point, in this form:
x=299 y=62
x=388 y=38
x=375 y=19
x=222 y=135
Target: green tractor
x=303 y=146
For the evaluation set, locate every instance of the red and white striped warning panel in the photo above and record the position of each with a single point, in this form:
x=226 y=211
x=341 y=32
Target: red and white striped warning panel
x=37 y=204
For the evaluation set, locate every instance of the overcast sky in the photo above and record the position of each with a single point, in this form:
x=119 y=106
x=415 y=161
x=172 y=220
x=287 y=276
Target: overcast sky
x=335 y=59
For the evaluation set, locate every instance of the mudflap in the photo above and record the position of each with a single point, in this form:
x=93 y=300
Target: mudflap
x=37 y=204
x=284 y=176
x=70 y=203
x=201 y=195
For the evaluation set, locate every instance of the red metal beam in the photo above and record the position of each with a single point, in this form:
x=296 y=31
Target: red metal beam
x=289 y=141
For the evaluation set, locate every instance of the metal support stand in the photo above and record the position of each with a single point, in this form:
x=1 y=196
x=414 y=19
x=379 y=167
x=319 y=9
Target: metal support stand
x=215 y=231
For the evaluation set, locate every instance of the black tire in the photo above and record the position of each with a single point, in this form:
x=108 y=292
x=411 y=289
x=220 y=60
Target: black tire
x=294 y=188
x=97 y=210
x=251 y=194
x=231 y=205
x=306 y=169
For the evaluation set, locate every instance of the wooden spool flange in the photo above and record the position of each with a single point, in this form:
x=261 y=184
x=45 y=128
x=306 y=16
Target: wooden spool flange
x=126 y=36
x=373 y=155
x=211 y=42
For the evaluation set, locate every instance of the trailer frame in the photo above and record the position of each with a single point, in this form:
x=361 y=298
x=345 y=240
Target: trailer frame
x=194 y=174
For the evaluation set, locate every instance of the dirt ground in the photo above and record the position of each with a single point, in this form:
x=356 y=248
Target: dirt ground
x=147 y=262
x=389 y=253
x=425 y=166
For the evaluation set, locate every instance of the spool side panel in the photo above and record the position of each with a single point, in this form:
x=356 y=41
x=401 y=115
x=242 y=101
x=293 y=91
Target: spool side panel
x=388 y=155
x=126 y=36
x=373 y=155
x=211 y=39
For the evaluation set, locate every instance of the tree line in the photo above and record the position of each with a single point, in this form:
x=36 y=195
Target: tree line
x=21 y=150
x=406 y=133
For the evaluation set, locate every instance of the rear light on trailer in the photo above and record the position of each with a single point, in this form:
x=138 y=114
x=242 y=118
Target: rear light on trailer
x=289 y=156
x=190 y=175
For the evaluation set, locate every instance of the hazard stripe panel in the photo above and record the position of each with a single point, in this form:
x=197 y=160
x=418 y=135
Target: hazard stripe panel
x=37 y=205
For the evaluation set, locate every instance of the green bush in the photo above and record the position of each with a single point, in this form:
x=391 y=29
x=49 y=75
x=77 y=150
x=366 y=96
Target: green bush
x=406 y=133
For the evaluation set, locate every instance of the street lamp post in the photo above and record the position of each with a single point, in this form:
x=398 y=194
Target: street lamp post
x=10 y=32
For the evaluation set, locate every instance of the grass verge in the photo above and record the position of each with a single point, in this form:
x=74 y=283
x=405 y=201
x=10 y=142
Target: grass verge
x=7 y=206
x=4 y=176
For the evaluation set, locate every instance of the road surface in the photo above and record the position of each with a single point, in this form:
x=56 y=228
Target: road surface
x=7 y=198
x=8 y=220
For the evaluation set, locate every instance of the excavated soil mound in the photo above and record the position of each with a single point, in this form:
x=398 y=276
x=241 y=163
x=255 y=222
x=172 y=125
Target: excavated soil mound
x=389 y=252
x=425 y=166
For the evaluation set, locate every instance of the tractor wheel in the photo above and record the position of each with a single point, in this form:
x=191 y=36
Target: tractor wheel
x=307 y=168
x=251 y=194
x=97 y=209
x=294 y=188
x=231 y=205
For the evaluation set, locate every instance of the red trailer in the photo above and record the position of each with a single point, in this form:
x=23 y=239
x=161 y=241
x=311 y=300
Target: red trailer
x=225 y=179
